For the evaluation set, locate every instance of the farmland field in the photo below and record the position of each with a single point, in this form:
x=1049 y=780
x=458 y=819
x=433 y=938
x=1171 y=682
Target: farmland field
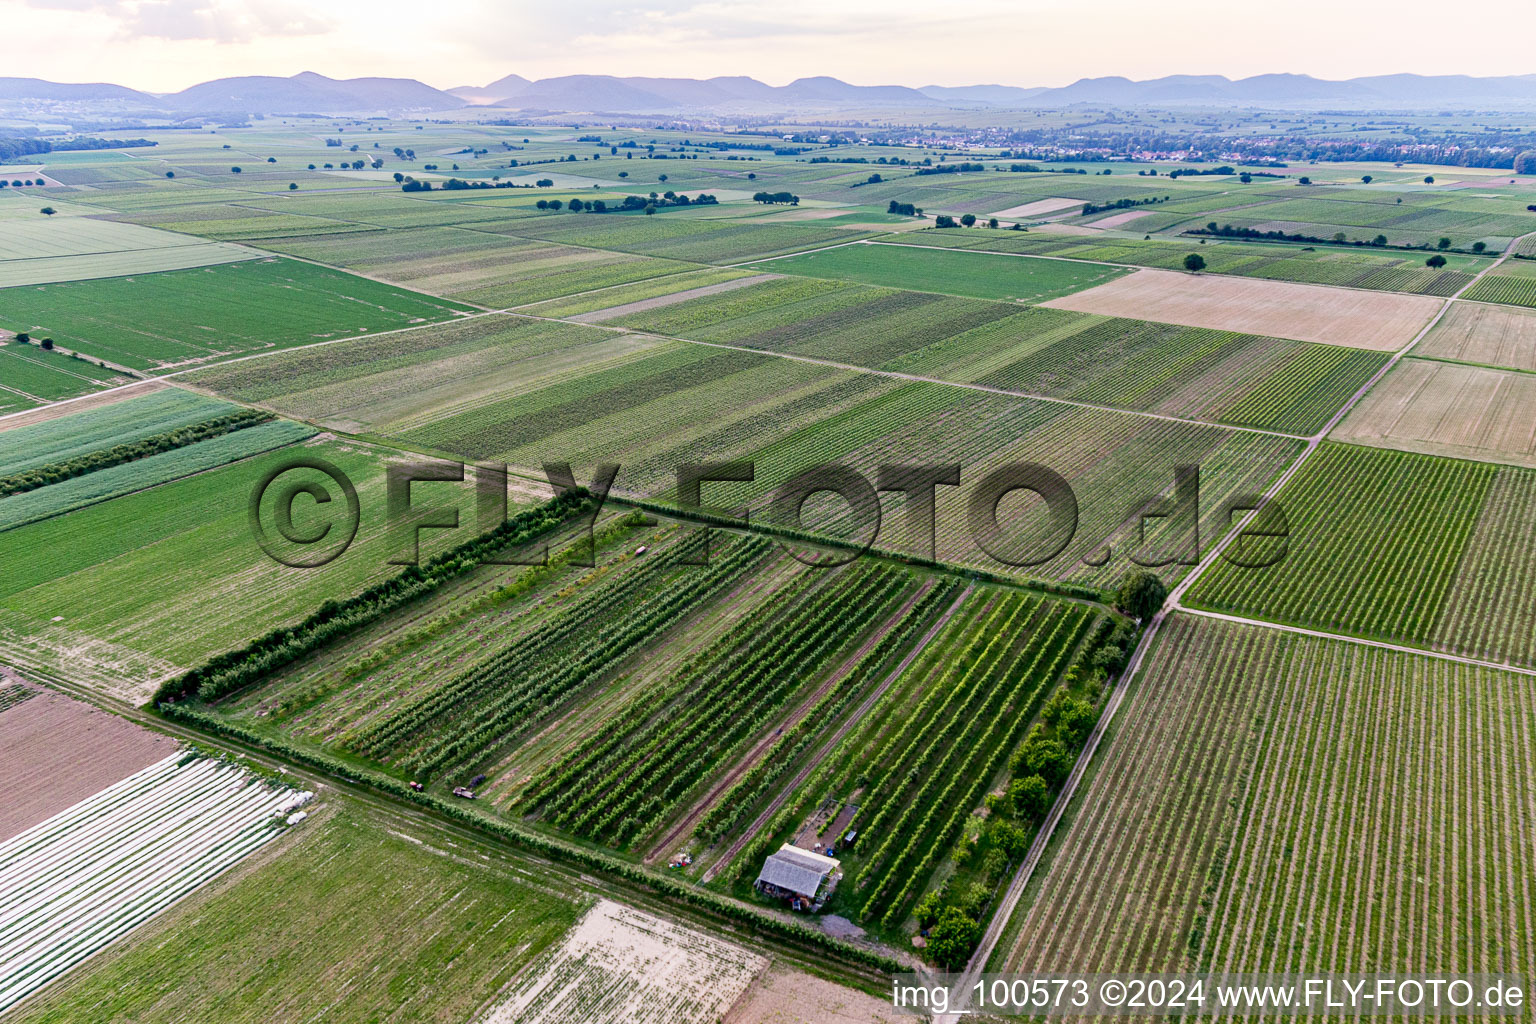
x=178 y=318
x=1272 y=778
x=1379 y=542
x=33 y=376
x=87 y=876
x=141 y=474
x=1334 y=316
x=1014 y=675
x=351 y=919
x=77 y=248
x=1352 y=267
x=102 y=594
x=43 y=771
x=40 y=444
x=618 y=965
x=953 y=272
x=1514 y=283
x=1449 y=409
x=1488 y=335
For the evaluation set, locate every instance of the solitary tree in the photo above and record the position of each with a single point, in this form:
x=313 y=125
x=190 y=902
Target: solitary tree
x=992 y=223
x=293 y=186
x=172 y=174
x=1379 y=240
x=1141 y=593
x=1194 y=263
x=47 y=343
x=1245 y=178
x=1436 y=261
x=1444 y=243
x=1304 y=180
x=1365 y=178
x=49 y=211
x=875 y=179
x=968 y=219
x=1479 y=246
x=1429 y=179
x=234 y=170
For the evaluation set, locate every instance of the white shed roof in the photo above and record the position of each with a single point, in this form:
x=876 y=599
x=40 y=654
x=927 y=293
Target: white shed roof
x=797 y=870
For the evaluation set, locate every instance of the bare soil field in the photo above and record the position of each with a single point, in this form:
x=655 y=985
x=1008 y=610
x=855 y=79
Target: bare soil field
x=1478 y=332
x=1039 y=208
x=1379 y=321
x=1448 y=409
x=1121 y=219
x=781 y=995
x=55 y=752
x=597 y=316
x=622 y=966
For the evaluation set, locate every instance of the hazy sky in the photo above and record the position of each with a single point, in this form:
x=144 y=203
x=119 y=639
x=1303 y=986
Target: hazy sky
x=164 y=45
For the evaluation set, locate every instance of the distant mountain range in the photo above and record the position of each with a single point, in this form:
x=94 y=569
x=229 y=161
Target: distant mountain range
x=606 y=94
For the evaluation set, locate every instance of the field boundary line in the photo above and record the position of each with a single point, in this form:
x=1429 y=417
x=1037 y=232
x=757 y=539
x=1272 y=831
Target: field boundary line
x=1363 y=641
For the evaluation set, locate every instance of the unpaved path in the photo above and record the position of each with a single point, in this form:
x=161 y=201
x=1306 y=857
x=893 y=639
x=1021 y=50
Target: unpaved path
x=836 y=738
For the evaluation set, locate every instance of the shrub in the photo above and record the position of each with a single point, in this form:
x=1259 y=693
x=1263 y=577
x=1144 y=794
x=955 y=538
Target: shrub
x=1030 y=797
x=1141 y=594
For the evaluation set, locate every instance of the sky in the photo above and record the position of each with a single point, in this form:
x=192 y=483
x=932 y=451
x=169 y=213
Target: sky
x=166 y=45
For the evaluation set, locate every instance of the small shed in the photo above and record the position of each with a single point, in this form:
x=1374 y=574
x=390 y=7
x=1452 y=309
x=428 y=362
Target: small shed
x=800 y=876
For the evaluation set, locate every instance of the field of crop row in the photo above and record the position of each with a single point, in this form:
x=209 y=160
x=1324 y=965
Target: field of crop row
x=929 y=769
x=1220 y=375
x=344 y=918
x=1261 y=783
x=464 y=719
x=42 y=444
x=1514 y=284
x=664 y=742
x=1395 y=545
x=82 y=879
x=477 y=266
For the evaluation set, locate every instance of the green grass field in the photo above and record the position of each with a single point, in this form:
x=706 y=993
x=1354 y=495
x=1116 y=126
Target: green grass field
x=947 y=271
x=160 y=321
x=121 y=593
x=30 y=372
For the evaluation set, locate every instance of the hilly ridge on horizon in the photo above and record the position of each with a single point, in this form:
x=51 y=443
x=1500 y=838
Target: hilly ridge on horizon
x=309 y=92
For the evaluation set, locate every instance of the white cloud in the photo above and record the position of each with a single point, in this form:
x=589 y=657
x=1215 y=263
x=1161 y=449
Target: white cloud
x=220 y=21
